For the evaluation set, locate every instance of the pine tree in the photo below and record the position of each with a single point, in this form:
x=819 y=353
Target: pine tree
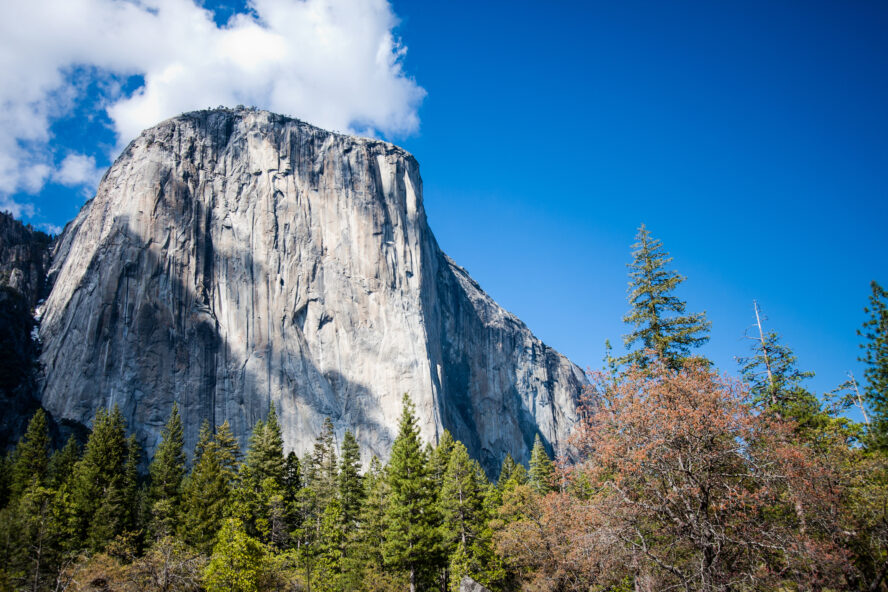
x=36 y=533
x=661 y=326
x=507 y=469
x=292 y=485
x=265 y=455
x=542 y=469
x=875 y=357
x=331 y=544
x=133 y=495
x=439 y=456
x=207 y=491
x=775 y=382
x=61 y=463
x=239 y=562
x=412 y=540
x=365 y=568
x=351 y=490
x=98 y=483
x=228 y=449
x=261 y=488
x=461 y=498
x=167 y=470
x=31 y=455
x=322 y=474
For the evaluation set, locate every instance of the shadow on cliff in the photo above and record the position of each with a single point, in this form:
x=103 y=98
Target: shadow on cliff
x=145 y=337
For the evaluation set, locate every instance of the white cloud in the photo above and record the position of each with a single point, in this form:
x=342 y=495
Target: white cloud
x=50 y=228
x=334 y=63
x=7 y=204
x=78 y=170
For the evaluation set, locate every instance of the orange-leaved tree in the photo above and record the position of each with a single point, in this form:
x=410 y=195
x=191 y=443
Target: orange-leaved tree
x=698 y=490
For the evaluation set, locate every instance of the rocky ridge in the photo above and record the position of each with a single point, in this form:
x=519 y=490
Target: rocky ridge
x=236 y=259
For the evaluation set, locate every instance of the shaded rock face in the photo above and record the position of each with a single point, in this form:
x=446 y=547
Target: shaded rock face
x=24 y=257
x=235 y=259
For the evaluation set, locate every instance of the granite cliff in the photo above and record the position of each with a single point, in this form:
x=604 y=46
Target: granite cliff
x=24 y=257
x=234 y=259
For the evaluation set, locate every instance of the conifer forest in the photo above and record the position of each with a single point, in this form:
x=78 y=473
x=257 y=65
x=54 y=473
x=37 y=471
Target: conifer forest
x=679 y=476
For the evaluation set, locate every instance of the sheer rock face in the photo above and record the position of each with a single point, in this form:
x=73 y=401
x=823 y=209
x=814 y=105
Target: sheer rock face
x=24 y=257
x=236 y=259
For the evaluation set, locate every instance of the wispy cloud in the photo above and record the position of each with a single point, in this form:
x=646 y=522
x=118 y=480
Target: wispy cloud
x=78 y=170
x=335 y=63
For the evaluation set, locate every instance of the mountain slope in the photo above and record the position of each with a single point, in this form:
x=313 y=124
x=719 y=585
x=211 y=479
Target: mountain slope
x=235 y=259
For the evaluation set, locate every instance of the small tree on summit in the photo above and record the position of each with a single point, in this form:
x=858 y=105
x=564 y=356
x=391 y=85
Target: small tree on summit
x=661 y=325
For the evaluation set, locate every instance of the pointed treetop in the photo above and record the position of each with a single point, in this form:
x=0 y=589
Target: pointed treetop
x=542 y=469
x=661 y=327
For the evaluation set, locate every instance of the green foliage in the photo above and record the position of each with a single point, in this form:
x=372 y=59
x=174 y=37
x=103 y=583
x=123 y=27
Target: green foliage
x=61 y=463
x=265 y=455
x=412 y=537
x=775 y=382
x=167 y=471
x=238 y=563
x=462 y=498
x=327 y=576
x=261 y=489
x=98 y=487
x=507 y=469
x=207 y=490
x=467 y=501
x=31 y=455
x=662 y=328
x=323 y=470
x=542 y=470
x=875 y=357
x=365 y=556
x=439 y=456
x=351 y=489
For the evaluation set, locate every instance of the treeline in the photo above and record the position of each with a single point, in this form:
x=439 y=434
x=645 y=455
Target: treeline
x=678 y=478
x=261 y=520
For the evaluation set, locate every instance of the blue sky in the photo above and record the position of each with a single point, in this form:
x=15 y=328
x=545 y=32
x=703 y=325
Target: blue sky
x=751 y=137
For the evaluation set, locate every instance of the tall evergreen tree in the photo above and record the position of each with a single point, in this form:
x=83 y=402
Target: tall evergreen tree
x=292 y=485
x=461 y=498
x=61 y=463
x=507 y=469
x=775 y=381
x=322 y=473
x=439 y=456
x=228 y=449
x=364 y=567
x=542 y=469
x=261 y=487
x=31 y=455
x=239 y=562
x=265 y=455
x=207 y=491
x=412 y=539
x=133 y=495
x=98 y=483
x=330 y=552
x=351 y=490
x=167 y=470
x=661 y=324
x=875 y=357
